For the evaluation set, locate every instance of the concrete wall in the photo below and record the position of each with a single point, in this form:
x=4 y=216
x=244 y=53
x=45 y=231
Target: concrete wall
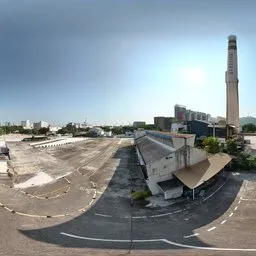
x=162 y=169
x=195 y=155
x=173 y=193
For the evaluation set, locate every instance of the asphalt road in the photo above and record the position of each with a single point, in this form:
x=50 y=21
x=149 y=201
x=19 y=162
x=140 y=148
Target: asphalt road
x=221 y=223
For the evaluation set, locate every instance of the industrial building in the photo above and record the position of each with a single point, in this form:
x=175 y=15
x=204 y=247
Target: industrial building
x=170 y=162
x=203 y=128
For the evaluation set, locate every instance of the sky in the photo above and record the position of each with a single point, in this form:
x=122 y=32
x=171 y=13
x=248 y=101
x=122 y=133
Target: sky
x=115 y=61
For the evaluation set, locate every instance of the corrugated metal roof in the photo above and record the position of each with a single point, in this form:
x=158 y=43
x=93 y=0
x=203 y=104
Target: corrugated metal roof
x=195 y=175
x=152 y=151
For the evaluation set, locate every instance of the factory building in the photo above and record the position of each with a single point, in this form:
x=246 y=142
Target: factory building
x=203 y=128
x=170 y=162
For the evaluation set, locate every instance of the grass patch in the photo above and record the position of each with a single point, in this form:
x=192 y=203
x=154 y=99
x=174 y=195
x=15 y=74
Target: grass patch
x=141 y=195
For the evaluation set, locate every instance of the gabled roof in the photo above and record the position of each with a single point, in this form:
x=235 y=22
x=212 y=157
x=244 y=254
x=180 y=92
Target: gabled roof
x=152 y=151
x=193 y=176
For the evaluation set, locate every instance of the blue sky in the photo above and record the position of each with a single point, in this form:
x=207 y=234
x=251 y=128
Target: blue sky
x=114 y=62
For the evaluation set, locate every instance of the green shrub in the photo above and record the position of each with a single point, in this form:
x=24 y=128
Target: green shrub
x=231 y=147
x=211 y=145
x=244 y=161
x=141 y=195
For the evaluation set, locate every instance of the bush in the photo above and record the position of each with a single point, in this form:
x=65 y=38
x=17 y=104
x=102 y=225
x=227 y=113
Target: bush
x=211 y=145
x=231 y=147
x=141 y=195
x=244 y=161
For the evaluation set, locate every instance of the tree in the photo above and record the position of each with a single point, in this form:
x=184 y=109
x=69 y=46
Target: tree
x=211 y=145
x=43 y=130
x=231 y=147
x=250 y=128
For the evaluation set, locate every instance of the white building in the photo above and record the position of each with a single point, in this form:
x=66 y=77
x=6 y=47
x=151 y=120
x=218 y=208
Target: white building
x=170 y=161
x=25 y=124
x=97 y=130
x=41 y=124
x=54 y=129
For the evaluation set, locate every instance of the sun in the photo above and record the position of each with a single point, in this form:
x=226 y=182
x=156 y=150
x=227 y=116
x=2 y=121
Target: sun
x=194 y=76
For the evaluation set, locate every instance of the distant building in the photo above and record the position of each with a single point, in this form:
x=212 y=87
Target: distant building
x=97 y=131
x=163 y=123
x=41 y=124
x=54 y=129
x=139 y=124
x=180 y=112
x=183 y=114
x=25 y=124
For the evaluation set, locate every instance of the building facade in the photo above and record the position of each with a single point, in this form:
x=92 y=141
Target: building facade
x=180 y=112
x=25 y=124
x=41 y=124
x=170 y=162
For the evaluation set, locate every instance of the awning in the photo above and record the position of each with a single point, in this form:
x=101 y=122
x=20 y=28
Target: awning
x=193 y=176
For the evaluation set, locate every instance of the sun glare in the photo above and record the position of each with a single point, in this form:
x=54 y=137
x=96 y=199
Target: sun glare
x=194 y=76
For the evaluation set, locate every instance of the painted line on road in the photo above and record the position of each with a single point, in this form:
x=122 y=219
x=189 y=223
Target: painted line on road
x=231 y=214
x=210 y=229
x=196 y=234
x=103 y=215
x=157 y=240
x=42 y=196
x=110 y=240
x=207 y=248
x=214 y=192
x=67 y=180
x=223 y=222
x=236 y=208
x=248 y=199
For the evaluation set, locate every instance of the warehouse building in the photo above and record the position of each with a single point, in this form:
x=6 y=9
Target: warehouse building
x=170 y=162
x=204 y=128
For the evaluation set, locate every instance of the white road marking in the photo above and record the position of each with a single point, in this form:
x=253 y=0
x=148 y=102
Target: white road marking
x=248 y=199
x=214 y=192
x=239 y=201
x=160 y=240
x=196 y=234
x=111 y=240
x=210 y=229
x=230 y=215
x=235 y=208
x=223 y=222
x=103 y=215
x=207 y=248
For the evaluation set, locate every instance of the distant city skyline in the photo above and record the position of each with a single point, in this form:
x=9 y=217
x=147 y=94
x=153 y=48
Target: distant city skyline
x=118 y=63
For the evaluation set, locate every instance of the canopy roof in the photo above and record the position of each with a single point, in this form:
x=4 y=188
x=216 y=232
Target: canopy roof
x=193 y=176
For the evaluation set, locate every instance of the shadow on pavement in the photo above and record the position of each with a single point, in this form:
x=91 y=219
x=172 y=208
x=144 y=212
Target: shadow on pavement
x=108 y=223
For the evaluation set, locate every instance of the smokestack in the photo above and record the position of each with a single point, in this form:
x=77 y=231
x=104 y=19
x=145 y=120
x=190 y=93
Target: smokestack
x=232 y=108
